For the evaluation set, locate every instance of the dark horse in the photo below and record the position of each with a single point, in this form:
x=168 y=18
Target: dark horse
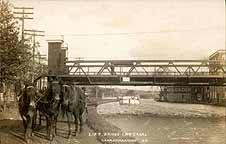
x=73 y=102
x=49 y=107
x=27 y=109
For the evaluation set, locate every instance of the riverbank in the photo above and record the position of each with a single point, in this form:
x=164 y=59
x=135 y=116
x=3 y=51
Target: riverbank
x=149 y=107
x=105 y=132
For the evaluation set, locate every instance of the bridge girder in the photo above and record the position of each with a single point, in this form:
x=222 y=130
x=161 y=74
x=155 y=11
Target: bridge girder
x=145 y=72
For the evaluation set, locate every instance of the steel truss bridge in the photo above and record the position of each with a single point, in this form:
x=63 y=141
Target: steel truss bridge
x=145 y=72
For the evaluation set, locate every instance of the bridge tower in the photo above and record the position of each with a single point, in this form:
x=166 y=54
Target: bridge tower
x=57 y=56
x=217 y=94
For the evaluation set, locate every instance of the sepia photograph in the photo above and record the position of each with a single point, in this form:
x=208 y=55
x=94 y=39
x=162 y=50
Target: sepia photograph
x=112 y=72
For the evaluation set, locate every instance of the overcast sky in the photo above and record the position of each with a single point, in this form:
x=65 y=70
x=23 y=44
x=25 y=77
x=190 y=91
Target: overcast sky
x=131 y=29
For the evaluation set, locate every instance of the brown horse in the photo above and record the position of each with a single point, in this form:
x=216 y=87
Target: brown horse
x=73 y=102
x=27 y=109
x=49 y=107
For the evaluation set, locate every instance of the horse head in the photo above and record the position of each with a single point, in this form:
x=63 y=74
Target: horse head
x=65 y=94
x=55 y=91
x=27 y=96
x=31 y=95
x=82 y=96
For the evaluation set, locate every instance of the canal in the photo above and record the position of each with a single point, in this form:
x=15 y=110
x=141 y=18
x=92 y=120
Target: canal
x=168 y=123
x=172 y=130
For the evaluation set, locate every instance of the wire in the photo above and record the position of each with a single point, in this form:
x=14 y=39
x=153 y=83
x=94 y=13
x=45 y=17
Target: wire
x=138 y=33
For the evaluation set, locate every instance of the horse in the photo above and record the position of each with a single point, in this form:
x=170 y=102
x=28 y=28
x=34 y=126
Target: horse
x=73 y=102
x=43 y=91
x=49 y=107
x=27 y=109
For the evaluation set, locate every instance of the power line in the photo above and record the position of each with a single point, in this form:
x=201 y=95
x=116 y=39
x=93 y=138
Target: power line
x=33 y=33
x=138 y=33
x=21 y=14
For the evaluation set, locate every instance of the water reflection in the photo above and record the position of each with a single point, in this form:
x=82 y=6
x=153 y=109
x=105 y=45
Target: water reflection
x=174 y=130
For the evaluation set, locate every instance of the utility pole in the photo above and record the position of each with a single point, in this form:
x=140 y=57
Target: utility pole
x=41 y=57
x=33 y=33
x=22 y=13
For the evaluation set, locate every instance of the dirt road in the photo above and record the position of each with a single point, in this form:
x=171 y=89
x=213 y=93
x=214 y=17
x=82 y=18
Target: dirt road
x=12 y=132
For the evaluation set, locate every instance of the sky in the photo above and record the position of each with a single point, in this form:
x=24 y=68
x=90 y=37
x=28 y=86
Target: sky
x=131 y=29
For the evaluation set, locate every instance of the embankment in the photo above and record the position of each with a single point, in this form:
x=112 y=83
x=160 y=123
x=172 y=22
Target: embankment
x=107 y=133
x=149 y=107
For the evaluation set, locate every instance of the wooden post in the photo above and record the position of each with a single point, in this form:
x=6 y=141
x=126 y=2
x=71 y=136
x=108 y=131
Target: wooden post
x=22 y=16
x=33 y=33
x=96 y=92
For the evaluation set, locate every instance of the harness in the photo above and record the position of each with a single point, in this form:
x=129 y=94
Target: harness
x=45 y=93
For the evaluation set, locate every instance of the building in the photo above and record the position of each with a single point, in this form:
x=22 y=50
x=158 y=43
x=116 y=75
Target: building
x=217 y=94
x=196 y=94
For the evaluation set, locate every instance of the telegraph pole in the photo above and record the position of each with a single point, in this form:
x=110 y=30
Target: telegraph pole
x=41 y=57
x=33 y=33
x=23 y=13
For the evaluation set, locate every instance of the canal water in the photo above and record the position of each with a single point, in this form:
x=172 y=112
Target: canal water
x=156 y=130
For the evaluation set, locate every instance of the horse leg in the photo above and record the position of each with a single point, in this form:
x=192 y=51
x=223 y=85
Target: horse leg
x=69 y=125
x=86 y=109
x=34 y=120
x=76 y=124
x=51 y=127
x=33 y=124
x=40 y=119
x=28 y=129
x=25 y=128
x=54 y=126
x=81 y=123
x=24 y=123
x=48 y=127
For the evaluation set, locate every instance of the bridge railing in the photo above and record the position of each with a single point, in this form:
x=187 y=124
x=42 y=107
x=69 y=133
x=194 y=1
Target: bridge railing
x=146 y=74
x=146 y=68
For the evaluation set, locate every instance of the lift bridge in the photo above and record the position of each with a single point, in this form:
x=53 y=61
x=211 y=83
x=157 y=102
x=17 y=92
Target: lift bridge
x=143 y=72
x=135 y=72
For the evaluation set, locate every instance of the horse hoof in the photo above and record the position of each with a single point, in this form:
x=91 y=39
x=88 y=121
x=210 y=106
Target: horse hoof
x=69 y=137
x=26 y=139
x=51 y=137
x=54 y=133
x=80 y=131
x=29 y=141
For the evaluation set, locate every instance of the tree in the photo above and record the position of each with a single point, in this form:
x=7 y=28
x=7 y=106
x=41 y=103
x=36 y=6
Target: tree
x=15 y=53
